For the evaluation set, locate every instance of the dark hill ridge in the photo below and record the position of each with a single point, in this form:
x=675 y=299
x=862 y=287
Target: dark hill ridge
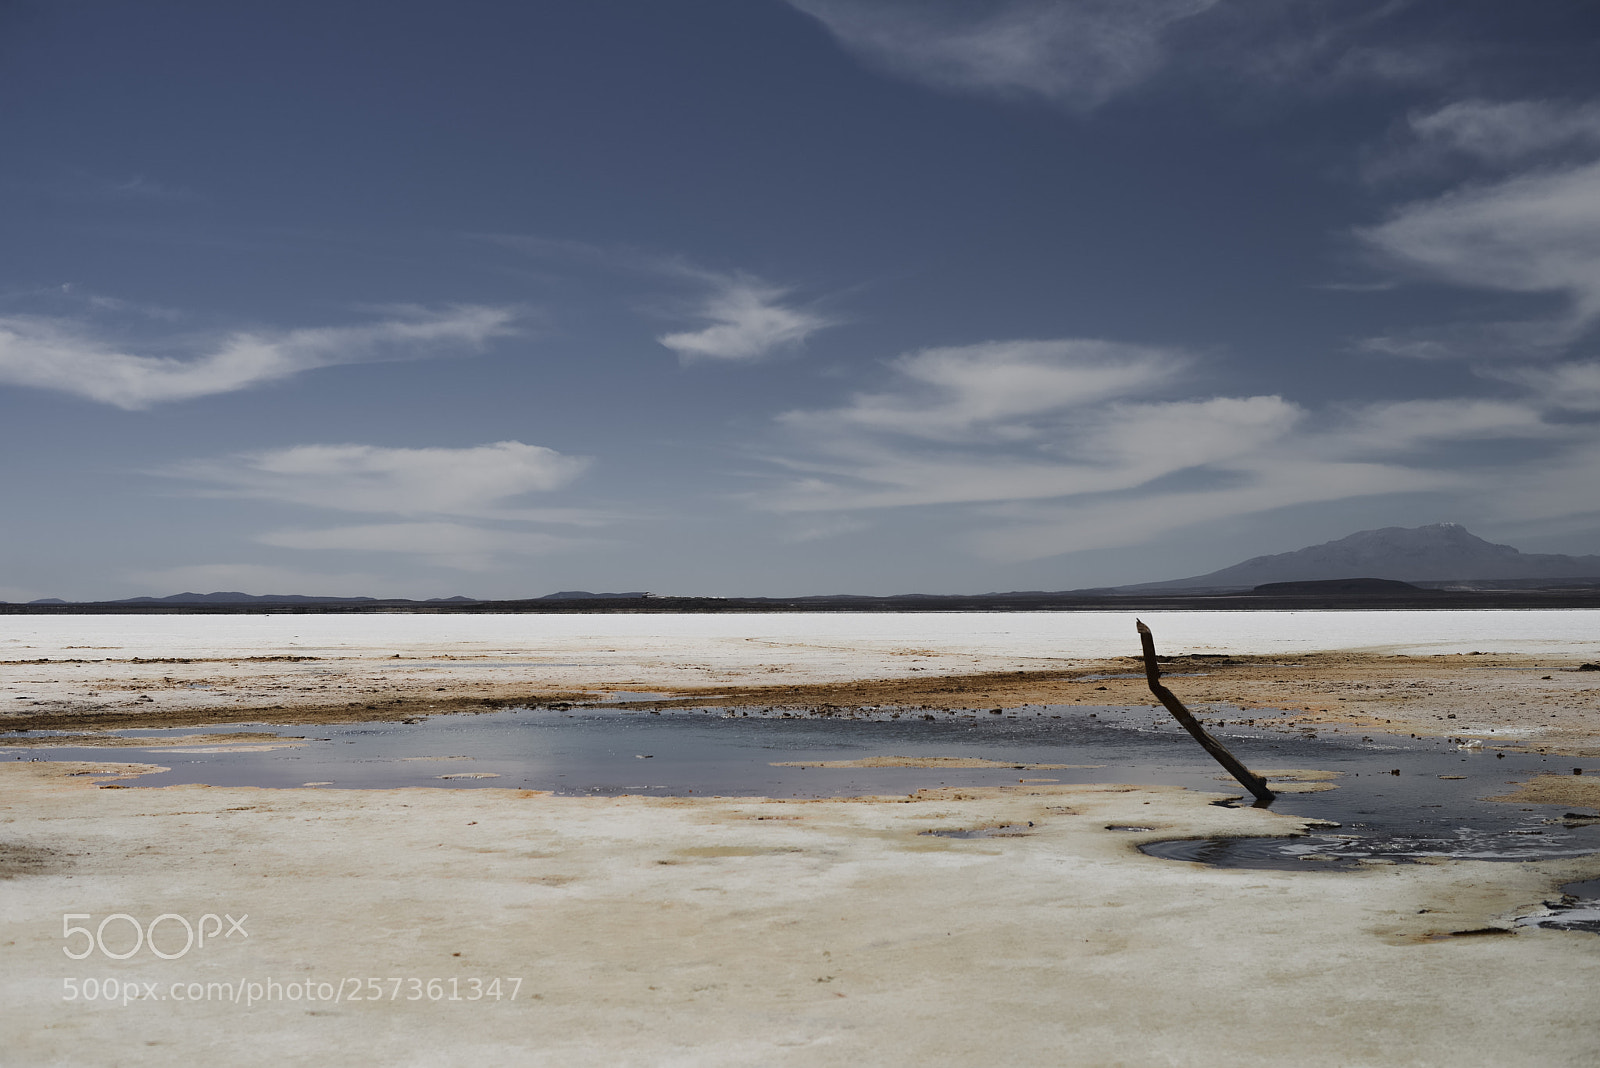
x=1355 y=585
x=1443 y=552
x=255 y=598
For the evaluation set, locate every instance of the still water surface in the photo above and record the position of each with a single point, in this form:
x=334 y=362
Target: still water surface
x=1433 y=807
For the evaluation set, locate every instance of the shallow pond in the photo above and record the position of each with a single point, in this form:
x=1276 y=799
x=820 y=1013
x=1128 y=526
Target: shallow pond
x=1431 y=808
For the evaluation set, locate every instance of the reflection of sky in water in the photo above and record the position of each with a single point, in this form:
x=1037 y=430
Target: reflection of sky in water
x=605 y=751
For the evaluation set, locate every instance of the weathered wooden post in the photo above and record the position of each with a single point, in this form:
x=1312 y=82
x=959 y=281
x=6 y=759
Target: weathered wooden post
x=1152 y=673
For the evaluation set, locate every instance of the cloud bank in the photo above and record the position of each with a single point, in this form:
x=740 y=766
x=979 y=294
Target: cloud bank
x=1039 y=448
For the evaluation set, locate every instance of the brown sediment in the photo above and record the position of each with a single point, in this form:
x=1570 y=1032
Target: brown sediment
x=100 y=739
x=397 y=704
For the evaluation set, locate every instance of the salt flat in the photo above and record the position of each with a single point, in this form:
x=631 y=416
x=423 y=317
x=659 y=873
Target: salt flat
x=854 y=640
x=689 y=931
x=1407 y=671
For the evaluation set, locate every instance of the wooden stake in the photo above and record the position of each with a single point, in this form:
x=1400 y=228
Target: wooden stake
x=1250 y=780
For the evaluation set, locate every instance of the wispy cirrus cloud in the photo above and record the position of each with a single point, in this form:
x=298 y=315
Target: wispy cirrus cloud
x=1503 y=132
x=1013 y=421
x=1076 y=444
x=748 y=320
x=67 y=355
x=1394 y=428
x=746 y=317
x=1572 y=386
x=1522 y=217
x=996 y=387
x=1078 y=53
x=479 y=481
x=1081 y=54
x=1488 y=138
x=1532 y=233
x=459 y=508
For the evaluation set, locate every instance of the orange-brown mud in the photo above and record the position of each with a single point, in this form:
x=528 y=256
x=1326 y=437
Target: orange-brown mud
x=1540 y=702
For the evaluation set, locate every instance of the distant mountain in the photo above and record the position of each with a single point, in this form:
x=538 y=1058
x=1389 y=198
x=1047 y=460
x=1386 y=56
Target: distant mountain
x=263 y=598
x=1443 y=552
x=585 y=595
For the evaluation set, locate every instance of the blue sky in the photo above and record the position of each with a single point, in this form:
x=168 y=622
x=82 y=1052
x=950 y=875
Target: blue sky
x=766 y=297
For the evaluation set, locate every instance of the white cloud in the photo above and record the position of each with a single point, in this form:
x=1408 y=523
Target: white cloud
x=1078 y=53
x=1394 y=427
x=1534 y=233
x=1017 y=420
x=996 y=388
x=1573 y=386
x=748 y=321
x=65 y=356
x=437 y=493
x=748 y=318
x=1508 y=131
x=1069 y=447
x=1120 y=447
x=475 y=481
x=456 y=545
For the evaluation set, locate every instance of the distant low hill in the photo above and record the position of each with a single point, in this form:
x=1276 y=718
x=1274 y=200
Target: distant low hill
x=252 y=598
x=235 y=597
x=1441 y=553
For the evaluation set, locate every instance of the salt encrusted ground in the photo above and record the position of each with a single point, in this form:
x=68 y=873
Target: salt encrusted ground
x=739 y=932
x=713 y=931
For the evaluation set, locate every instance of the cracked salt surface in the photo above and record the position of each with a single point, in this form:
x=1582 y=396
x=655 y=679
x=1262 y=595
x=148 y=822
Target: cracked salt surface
x=1432 y=809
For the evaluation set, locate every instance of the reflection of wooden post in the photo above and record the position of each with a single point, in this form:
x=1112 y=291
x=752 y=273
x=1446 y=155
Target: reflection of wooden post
x=1152 y=673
